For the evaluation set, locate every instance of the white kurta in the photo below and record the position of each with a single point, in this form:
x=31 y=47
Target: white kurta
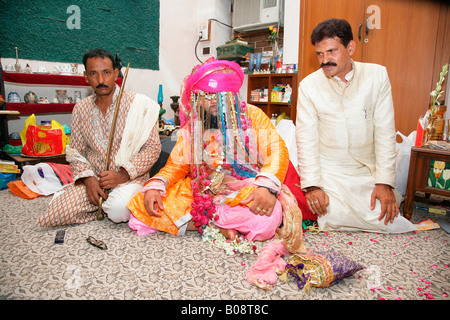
x=346 y=144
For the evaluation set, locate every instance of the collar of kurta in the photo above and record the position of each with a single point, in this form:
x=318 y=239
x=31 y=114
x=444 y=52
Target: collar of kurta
x=348 y=76
x=115 y=96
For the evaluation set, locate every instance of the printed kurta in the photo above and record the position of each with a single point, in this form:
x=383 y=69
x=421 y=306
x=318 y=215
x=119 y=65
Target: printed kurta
x=346 y=144
x=89 y=137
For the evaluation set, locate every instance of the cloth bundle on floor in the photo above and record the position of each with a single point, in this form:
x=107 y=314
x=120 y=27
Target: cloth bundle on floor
x=320 y=269
x=43 y=178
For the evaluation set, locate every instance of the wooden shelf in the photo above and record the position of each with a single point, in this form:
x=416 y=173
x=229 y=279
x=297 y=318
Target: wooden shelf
x=52 y=79
x=269 y=81
x=40 y=107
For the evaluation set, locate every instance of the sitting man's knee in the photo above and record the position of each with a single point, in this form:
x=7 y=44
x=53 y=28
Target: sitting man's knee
x=116 y=211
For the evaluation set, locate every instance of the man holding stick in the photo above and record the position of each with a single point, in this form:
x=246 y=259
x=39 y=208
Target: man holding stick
x=132 y=147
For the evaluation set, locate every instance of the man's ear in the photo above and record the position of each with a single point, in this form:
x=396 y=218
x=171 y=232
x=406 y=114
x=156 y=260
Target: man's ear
x=351 y=46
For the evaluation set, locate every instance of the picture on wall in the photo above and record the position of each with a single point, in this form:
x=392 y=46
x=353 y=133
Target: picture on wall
x=439 y=176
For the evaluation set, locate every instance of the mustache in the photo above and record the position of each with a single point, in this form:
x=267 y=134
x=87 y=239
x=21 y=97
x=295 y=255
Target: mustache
x=102 y=85
x=331 y=63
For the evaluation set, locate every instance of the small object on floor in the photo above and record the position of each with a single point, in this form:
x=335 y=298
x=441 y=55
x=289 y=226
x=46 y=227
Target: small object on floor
x=97 y=243
x=426 y=225
x=59 y=238
x=444 y=226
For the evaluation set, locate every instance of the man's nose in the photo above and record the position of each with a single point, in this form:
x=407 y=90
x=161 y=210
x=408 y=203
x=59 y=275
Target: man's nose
x=325 y=58
x=101 y=78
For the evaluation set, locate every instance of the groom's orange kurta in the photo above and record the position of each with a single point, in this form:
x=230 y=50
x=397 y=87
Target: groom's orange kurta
x=178 y=197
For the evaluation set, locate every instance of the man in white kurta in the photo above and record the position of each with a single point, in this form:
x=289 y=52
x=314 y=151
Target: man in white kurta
x=345 y=135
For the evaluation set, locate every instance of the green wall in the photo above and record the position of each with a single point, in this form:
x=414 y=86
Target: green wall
x=63 y=31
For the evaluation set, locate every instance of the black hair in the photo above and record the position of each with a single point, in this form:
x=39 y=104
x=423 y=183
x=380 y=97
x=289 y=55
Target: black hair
x=332 y=28
x=99 y=53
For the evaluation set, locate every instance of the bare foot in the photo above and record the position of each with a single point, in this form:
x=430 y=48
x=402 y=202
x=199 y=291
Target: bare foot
x=230 y=234
x=191 y=226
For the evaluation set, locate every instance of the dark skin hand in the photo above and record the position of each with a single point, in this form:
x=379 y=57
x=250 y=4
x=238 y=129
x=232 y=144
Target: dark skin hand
x=389 y=206
x=318 y=201
x=106 y=180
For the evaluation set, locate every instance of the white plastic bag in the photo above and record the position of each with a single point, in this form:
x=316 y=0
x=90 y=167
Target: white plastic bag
x=286 y=129
x=403 y=157
x=41 y=178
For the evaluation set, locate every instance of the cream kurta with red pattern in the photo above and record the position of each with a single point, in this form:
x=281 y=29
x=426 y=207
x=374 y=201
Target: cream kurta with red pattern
x=89 y=136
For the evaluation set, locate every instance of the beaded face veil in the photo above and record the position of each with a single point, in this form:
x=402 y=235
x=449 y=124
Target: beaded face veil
x=214 y=121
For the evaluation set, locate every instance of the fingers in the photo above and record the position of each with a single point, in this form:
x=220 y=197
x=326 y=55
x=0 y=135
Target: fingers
x=108 y=179
x=389 y=212
x=153 y=203
x=318 y=207
x=317 y=202
x=389 y=206
x=262 y=211
x=263 y=202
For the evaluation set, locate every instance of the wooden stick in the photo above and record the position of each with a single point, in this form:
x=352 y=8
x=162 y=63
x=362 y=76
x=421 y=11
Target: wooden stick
x=100 y=214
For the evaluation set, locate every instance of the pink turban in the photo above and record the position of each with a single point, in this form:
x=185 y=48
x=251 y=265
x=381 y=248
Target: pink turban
x=212 y=76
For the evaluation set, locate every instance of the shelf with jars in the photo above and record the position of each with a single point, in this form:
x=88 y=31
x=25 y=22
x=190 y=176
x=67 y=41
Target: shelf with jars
x=274 y=93
x=31 y=103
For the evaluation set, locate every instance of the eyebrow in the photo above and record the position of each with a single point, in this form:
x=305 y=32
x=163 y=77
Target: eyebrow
x=93 y=70
x=328 y=50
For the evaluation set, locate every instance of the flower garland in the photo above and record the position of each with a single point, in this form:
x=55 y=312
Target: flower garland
x=212 y=235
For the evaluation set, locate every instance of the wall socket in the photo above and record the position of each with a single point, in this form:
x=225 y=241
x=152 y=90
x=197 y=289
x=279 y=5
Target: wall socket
x=204 y=30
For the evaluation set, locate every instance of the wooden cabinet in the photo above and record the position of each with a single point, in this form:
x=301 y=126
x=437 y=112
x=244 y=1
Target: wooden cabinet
x=269 y=82
x=410 y=38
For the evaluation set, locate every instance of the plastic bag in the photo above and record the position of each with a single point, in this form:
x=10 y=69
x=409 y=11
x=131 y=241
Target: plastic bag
x=286 y=129
x=5 y=178
x=42 y=141
x=46 y=178
x=403 y=157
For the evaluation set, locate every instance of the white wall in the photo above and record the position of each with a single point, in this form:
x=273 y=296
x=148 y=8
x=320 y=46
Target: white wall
x=179 y=20
x=291 y=31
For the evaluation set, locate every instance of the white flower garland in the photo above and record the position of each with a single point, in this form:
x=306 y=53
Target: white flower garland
x=212 y=235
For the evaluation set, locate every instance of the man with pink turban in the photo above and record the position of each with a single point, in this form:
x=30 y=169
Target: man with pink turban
x=226 y=170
